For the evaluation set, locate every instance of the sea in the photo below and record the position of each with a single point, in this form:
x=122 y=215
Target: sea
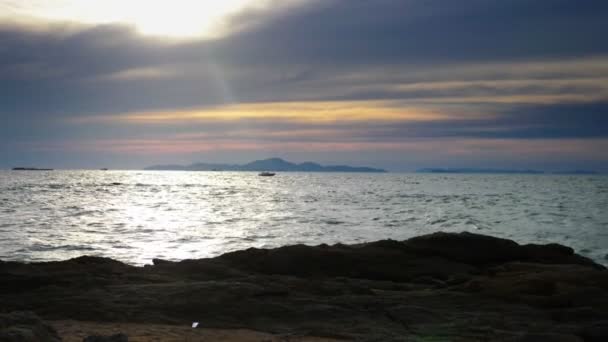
x=135 y=216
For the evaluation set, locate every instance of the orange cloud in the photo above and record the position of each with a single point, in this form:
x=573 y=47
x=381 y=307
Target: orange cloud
x=300 y=112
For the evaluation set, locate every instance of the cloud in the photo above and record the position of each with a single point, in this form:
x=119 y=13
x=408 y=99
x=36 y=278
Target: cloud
x=322 y=51
x=310 y=112
x=350 y=74
x=347 y=32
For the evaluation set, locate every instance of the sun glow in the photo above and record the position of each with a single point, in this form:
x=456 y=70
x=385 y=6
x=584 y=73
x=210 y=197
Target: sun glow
x=175 y=18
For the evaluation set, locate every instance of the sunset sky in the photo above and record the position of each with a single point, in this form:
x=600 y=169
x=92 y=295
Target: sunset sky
x=398 y=84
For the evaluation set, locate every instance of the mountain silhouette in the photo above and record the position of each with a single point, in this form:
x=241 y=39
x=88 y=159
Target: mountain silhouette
x=271 y=164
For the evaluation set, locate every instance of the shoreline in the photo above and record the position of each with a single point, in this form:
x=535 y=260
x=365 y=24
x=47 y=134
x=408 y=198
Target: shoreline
x=441 y=286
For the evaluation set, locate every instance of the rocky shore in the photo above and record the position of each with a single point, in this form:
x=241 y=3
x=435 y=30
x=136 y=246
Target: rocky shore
x=438 y=287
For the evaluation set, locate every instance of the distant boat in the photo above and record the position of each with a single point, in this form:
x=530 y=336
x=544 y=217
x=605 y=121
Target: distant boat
x=266 y=174
x=103 y=169
x=30 y=169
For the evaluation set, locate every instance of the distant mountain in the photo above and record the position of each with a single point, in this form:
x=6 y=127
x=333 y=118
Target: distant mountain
x=477 y=170
x=272 y=164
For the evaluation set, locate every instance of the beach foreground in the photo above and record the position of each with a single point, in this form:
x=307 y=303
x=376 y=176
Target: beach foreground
x=437 y=287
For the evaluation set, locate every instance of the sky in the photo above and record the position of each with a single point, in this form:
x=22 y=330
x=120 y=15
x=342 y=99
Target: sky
x=397 y=84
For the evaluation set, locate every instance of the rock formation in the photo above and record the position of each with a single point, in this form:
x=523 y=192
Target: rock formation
x=455 y=287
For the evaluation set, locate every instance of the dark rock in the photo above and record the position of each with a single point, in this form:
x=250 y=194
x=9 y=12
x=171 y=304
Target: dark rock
x=577 y=314
x=465 y=287
x=92 y=260
x=382 y=260
x=466 y=247
x=112 y=338
x=430 y=281
x=477 y=249
x=555 y=253
x=546 y=337
x=157 y=262
x=25 y=327
x=412 y=315
x=595 y=332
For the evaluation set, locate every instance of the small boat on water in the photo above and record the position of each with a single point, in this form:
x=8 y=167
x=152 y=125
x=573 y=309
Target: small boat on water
x=266 y=174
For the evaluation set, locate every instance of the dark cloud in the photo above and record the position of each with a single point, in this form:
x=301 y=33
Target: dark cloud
x=400 y=32
x=326 y=50
x=39 y=67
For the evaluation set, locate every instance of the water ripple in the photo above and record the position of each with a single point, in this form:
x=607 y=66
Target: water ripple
x=136 y=216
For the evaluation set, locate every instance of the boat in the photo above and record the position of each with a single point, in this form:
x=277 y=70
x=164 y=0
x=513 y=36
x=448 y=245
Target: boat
x=266 y=174
x=104 y=169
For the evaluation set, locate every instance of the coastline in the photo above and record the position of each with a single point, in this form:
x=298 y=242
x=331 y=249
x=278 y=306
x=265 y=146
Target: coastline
x=437 y=287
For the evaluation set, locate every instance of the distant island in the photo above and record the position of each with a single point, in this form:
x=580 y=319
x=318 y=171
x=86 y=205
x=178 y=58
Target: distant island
x=271 y=164
x=503 y=171
x=476 y=170
x=577 y=172
x=30 y=169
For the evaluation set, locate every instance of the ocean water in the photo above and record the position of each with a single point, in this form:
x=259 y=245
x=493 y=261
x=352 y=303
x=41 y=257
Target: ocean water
x=134 y=216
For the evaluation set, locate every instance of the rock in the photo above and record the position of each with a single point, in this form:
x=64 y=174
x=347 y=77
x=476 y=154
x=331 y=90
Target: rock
x=477 y=249
x=546 y=337
x=409 y=315
x=382 y=260
x=25 y=327
x=98 y=261
x=157 y=262
x=465 y=287
x=596 y=332
x=111 y=338
x=430 y=281
x=577 y=314
x=466 y=247
x=555 y=253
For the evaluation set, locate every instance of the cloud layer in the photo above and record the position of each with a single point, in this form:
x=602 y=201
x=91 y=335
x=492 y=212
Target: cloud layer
x=422 y=82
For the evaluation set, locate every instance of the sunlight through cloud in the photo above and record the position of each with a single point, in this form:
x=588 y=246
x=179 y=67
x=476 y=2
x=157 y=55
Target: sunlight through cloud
x=176 y=18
